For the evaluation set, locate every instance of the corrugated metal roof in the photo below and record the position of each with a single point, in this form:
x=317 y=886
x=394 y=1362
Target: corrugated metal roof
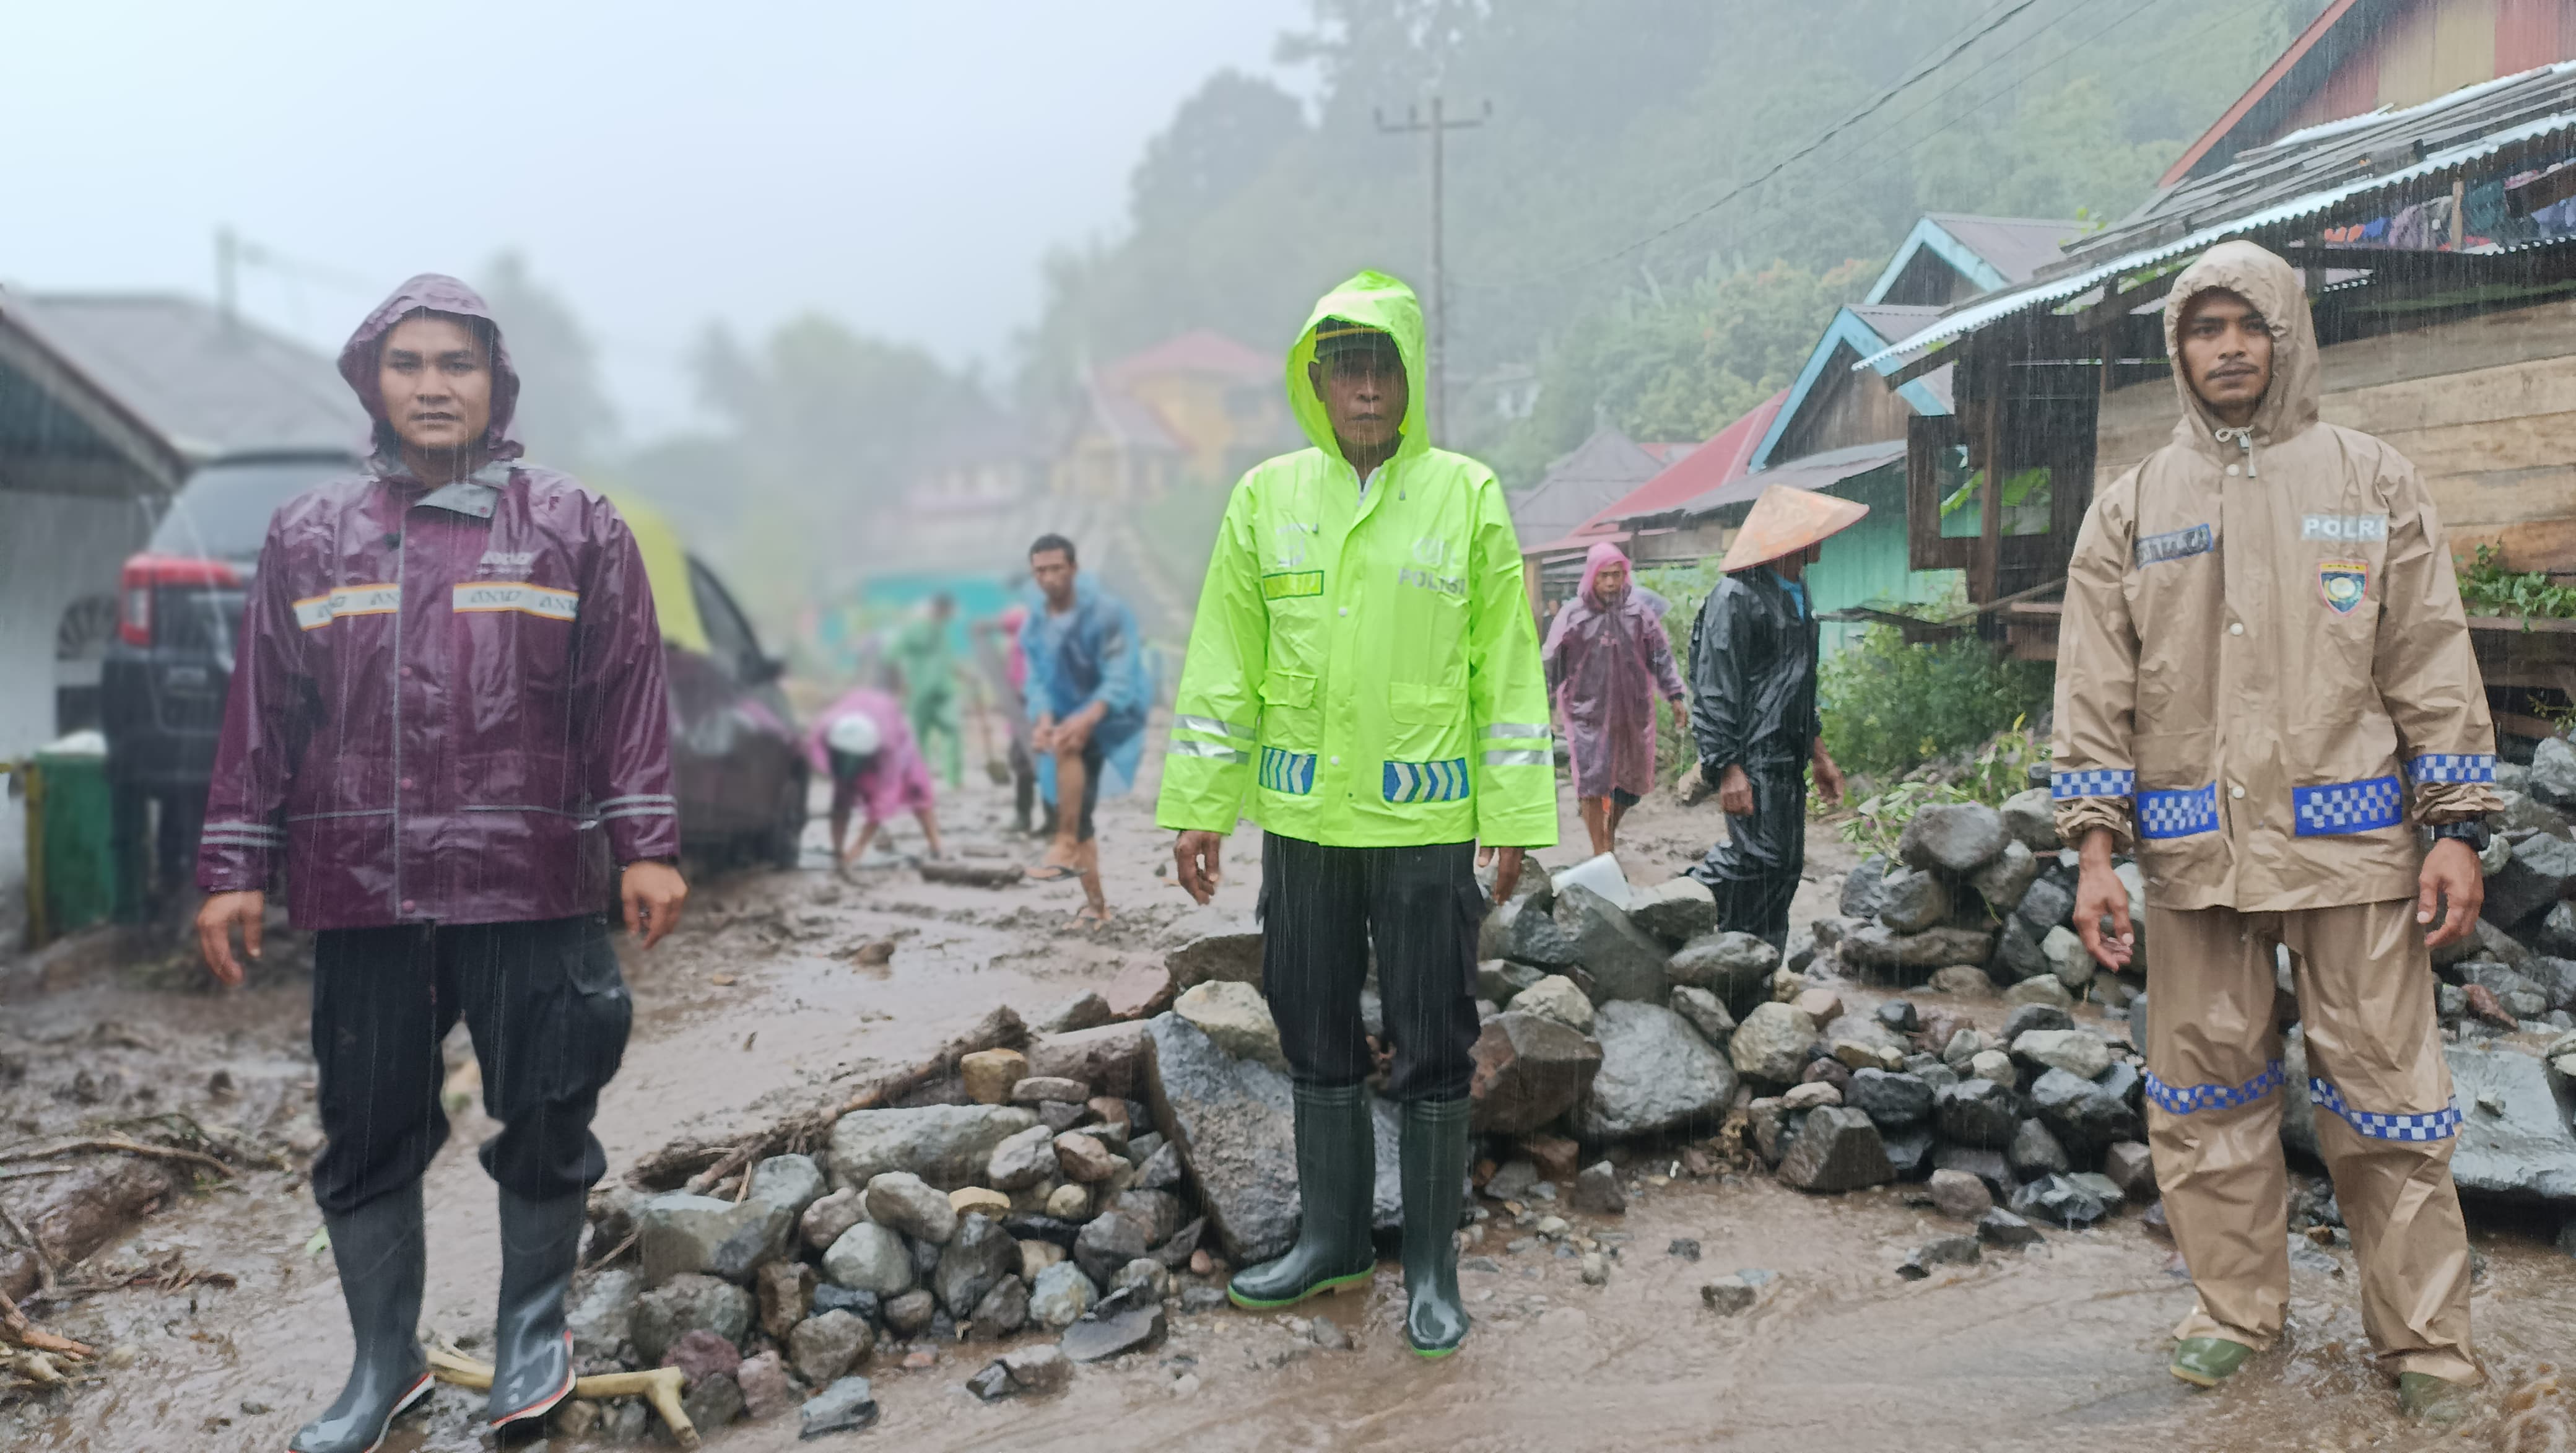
x=2270 y=187
x=1599 y=470
x=1816 y=471
x=2017 y=247
x=209 y=386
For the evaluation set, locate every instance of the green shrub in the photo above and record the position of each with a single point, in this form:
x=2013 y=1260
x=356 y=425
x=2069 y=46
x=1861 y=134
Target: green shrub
x=2488 y=589
x=1889 y=707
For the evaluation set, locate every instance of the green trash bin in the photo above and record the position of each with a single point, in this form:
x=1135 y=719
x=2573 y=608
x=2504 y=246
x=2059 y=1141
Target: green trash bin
x=71 y=837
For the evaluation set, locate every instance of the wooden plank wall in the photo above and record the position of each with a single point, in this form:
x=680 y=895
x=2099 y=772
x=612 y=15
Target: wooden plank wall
x=2486 y=408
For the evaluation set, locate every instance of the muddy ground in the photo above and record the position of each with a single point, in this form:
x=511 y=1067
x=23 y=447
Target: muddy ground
x=755 y=1007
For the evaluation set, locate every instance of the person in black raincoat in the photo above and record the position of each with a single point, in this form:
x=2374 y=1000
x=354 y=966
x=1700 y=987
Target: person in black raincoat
x=1753 y=708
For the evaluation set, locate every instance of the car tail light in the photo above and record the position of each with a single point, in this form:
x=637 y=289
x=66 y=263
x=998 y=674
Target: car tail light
x=145 y=575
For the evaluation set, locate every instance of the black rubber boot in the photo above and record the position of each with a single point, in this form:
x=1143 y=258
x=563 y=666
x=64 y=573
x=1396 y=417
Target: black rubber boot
x=1336 y=1193
x=380 y=1252
x=1436 y=1142
x=531 y=1351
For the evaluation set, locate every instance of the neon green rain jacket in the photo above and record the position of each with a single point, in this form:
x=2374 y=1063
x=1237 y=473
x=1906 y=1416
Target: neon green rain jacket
x=1364 y=672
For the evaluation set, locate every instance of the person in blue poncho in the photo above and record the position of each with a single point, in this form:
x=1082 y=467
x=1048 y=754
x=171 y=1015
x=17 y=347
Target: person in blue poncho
x=1086 y=702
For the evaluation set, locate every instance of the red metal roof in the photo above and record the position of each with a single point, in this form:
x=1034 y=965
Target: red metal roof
x=1720 y=461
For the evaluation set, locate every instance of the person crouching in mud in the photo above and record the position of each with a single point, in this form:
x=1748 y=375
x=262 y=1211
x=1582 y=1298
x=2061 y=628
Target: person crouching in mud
x=449 y=717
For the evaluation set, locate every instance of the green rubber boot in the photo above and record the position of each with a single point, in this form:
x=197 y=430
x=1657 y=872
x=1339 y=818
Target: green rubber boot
x=1436 y=1143
x=1336 y=1193
x=2208 y=1361
x=2432 y=1400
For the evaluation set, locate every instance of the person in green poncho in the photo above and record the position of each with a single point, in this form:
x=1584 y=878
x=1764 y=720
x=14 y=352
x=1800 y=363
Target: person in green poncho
x=920 y=658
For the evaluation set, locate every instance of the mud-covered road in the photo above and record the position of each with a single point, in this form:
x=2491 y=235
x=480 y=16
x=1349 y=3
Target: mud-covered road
x=756 y=1006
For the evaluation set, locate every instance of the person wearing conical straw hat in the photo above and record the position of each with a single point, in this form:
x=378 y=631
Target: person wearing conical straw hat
x=1753 y=707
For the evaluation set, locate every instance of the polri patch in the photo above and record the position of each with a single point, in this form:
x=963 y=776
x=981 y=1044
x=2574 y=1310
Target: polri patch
x=2174 y=545
x=2344 y=582
x=2344 y=529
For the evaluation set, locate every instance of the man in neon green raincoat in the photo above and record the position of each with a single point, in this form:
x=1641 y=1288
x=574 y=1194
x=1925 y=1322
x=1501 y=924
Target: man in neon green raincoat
x=1364 y=683
x=919 y=654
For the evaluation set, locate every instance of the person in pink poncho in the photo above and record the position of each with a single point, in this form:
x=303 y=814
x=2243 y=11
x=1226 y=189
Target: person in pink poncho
x=863 y=743
x=1607 y=657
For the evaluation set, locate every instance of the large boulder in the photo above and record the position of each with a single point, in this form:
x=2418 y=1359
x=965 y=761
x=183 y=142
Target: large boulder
x=2553 y=772
x=1022 y=1160
x=946 y=1145
x=1529 y=1070
x=1656 y=1074
x=907 y=1203
x=1625 y=961
x=1912 y=900
x=1233 y=1123
x=1211 y=943
x=603 y=1315
x=1110 y=1059
x=2514 y=1141
x=2079 y=1052
x=1956 y=837
x=2003 y=882
x=1675 y=912
x=1526 y=933
x=1890 y=1100
x=1556 y=997
x=1061 y=1295
x=1110 y=1241
x=973 y=1263
x=792 y=1181
x=1977 y=1113
x=1236 y=1017
x=2086 y=1116
x=1882 y=954
x=678 y=1233
x=689 y=1303
x=1771 y=1043
x=1736 y=967
x=2044 y=905
x=1837 y=1149
x=2532 y=880
x=2031 y=818
x=2017 y=954
x=1706 y=1012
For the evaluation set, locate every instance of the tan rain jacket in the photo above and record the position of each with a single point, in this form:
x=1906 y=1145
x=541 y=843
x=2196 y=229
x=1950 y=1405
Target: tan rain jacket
x=2263 y=641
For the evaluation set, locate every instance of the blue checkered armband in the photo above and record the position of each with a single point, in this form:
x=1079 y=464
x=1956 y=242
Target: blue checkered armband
x=2451 y=767
x=2184 y=1099
x=2186 y=813
x=2092 y=782
x=2440 y=1124
x=2342 y=807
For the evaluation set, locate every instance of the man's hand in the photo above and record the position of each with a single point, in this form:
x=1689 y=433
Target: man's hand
x=1735 y=791
x=2451 y=874
x=1506 y=863
x=1829 y=778
x=2100 y=894
x=215 y=920
x=1042 y=735
x=1194 y=858
x=1074 y=732
x=653 y=893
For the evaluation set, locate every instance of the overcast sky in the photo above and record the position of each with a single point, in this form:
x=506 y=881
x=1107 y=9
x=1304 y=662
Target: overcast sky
x=903 y=166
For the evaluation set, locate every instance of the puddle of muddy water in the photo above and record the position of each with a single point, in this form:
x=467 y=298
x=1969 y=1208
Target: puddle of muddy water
x=2057 y=1348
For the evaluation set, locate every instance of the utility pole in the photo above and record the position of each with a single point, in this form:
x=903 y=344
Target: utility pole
x=227 y=276
x=1438 y=127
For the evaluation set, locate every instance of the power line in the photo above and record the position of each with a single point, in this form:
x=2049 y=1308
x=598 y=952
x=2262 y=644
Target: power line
x=1844 y=123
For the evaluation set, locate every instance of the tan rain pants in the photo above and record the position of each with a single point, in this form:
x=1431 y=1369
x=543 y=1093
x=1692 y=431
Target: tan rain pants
x=2384 y=1113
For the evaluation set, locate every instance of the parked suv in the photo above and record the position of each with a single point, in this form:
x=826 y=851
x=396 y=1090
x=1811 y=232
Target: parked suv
x=737 y=763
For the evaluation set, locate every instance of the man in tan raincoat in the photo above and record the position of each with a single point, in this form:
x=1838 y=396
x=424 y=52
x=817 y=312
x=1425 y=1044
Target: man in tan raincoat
x=2263 y=649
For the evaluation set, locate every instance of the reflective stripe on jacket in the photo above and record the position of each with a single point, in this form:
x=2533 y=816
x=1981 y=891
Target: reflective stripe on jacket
x=2263 y=647
x=1363 y=671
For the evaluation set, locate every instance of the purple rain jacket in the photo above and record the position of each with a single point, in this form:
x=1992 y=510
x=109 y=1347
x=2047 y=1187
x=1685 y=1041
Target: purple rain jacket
x=448 y=705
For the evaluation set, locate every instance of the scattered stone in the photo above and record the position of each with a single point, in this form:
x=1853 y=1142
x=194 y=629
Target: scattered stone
x=2131 y=1169
x=1888 y=1099
x=1999 y=1227
x=1771 y=1043
x=1120 y=1323
x=2034 y=1152
x=2047 y=989
x=687 y=1303
x=1140 y=991
x=604 y=1314
x=1213 y=943
x=2002 y=882
x=1955 y=837
x=1975 y=1112
x=2027 y=1017
x=1069 y=1202
x=1911 y=901
x=1233 y=1124
x=2032 y=820
x=1526 y=933
x=2514 y=1140
x=1684 y=1247
x=846 y=1406
x=1884 y=954
x=1161 y=1170
x=766 y=1392
x=990 y=1074
x=906 y=1315
x=1085 y=1010
x=792 y=1183
x=1676 y=911
x=1039 y=1369
x=701 y=1353
x=1149 y=1279
x=903 y=1202
x=1962 y=1048
x=1987 y=1165
x=870 y=1258
x=2102 y=1187
x=2533 y=879
x=786 y=1290
x=1625 y=961
x=991 y=1383
x=1736 y=967
x=1596 y=1190
x=1000 y=1312
x=678 y=1233
x=1036 y=1256
x=1080 y=1156
x=980 y=1255
x=712 y=1401
x=1037 y=1089
x=2079 y=1052
x=1837 y=1149
x=2084 y=1115
x=2059 y=1201
x=1501 y=980
x=1728 y=1295
x=1328 y=1334
x=1862 y=889
x=2045 y=905
x=1555 y=997
x=1706 y=1013
x=829 y=1297
x=1995 y=1065
x=1823 y=1006
x=1237 y=1018
x=1111 y=1058
x=1657 y=1074
x=1948 y=1251
x=823 y=1347
x=1960 y=1195
x=1061 y=1294
x=1022 y=1159
x=1811 y=1095
x=945 y=1145
x=825 y=1220
x=1108 y=1243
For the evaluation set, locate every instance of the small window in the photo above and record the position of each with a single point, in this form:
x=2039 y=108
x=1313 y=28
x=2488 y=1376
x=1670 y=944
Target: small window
x=2027 y=499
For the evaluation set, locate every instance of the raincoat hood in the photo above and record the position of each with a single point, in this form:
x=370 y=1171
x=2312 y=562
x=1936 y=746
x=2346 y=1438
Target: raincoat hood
x=2263 y=279
x=1375 y=300
x=1601 y=557
x=437 y=293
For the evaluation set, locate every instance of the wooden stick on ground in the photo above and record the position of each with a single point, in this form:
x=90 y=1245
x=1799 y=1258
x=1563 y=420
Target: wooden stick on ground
x=27 y=1334
x=122 y=1147
x=46 y=1269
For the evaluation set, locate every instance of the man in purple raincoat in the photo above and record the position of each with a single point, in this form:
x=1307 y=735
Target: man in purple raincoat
x=1607 y=658
x=448 y=720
